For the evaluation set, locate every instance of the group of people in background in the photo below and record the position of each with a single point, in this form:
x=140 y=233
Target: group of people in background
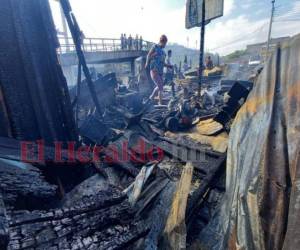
x=130 y=43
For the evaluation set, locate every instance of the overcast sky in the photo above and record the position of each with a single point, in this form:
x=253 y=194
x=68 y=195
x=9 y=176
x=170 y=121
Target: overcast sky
x=244 y=21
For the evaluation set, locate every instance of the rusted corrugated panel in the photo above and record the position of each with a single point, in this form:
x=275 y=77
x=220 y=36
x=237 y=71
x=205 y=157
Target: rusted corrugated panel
x=262 y=202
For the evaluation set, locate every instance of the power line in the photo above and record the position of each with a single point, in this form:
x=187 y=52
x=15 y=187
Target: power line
x=284 y=6
x=288 y=17
x=242 y=38
x=287 y=20
x=288 y=13
x=294 y=9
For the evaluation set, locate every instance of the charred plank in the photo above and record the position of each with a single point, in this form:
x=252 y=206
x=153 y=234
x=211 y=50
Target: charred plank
x=102 y=221
x=23 y=185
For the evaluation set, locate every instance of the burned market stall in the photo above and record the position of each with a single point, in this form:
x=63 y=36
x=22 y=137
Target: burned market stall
x=101 y=167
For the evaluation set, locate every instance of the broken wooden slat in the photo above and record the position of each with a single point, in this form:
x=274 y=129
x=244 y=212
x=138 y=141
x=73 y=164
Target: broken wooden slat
x=135 y=189
x=174 y=236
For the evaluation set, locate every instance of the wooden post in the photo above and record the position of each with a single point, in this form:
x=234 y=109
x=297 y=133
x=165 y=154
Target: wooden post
x=76 y=34
x=78 y=90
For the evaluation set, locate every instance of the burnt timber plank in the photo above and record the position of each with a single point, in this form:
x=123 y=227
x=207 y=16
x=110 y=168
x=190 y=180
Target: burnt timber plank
x=102 y=221
x=23 y=185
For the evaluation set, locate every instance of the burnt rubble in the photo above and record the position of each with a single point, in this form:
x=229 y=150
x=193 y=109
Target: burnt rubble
x=76 y=177
x=22 y=185
x=101 y=167
x=102 y=221
x=92 y=212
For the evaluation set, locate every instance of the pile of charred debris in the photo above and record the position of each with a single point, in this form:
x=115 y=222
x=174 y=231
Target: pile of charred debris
x=125 y=175
x=136 y=173
x=98 y=168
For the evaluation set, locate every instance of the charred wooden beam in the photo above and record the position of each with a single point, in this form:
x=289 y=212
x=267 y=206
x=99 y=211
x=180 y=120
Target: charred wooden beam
x=206 y=184
x=37 y=153
x=77 y=37
x=118 y=153
x=103 y=221
x=203 y=160
x=23 y=185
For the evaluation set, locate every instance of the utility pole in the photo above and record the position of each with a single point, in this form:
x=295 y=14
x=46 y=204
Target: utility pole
x=270 y=28
x=202 y=37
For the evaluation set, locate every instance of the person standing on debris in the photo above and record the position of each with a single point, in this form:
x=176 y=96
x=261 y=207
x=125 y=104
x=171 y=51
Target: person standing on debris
x=156 y=60
x=209 y=63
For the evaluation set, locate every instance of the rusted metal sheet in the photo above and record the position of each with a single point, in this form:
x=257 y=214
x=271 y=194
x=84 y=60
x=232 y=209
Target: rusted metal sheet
x=261 y=205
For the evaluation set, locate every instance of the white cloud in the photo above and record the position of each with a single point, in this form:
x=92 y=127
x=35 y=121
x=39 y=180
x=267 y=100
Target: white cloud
x=229 y=6
x=225 y=37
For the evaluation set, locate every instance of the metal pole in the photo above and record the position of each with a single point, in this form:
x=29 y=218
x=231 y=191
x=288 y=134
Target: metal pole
x=201 y=68
x=270 y=28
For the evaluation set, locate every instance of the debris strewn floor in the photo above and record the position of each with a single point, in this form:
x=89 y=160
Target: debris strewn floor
x=135 y=174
